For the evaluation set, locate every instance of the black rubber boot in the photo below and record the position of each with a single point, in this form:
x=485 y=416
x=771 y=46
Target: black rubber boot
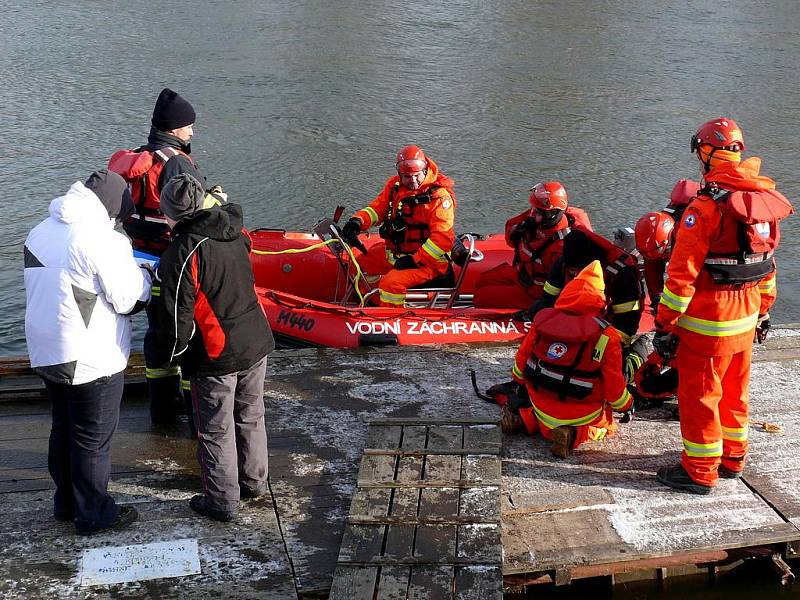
x=677 y=478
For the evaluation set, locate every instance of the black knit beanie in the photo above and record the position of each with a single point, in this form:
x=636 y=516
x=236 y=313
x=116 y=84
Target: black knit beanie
x=113 y=192
x=172 y=111
x=181 y=197
x=579 y=250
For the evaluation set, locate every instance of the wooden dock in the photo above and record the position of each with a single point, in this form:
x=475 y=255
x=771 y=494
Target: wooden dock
x=599 y=513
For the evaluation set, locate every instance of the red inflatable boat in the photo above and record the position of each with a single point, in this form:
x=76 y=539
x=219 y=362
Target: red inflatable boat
x=303 y=284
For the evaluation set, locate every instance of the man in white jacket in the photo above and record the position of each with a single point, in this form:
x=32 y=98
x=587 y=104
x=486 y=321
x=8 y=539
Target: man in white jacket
x=82 y=284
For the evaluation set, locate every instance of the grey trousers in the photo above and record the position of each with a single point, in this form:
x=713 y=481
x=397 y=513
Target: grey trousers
x=231 y=435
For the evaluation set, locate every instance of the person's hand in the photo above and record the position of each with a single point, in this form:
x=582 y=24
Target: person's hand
x=148 y=272
x=351 y=230
x=665 y=344
x=405 y=262
x=762 y=328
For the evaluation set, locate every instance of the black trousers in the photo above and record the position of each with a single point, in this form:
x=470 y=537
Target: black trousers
x=79 y=458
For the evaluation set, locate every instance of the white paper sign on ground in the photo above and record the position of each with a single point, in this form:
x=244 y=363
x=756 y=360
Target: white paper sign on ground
x=121 y=564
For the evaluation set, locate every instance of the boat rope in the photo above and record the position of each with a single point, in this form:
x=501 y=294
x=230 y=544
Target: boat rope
x=358 y=276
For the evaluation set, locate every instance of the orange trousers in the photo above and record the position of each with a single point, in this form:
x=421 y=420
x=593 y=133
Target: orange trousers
x=602 y=427
x=713 y=396
x=500 y=288
x=392 y=284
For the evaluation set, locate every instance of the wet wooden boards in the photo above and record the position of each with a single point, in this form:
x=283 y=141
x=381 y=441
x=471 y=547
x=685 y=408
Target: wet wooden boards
x=424 y=519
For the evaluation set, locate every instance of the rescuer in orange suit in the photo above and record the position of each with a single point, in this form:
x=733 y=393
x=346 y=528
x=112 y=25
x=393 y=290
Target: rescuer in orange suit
x=720 y=286
x=655 y=236
x=415 y=211
x=537 y=237
x=571 y=365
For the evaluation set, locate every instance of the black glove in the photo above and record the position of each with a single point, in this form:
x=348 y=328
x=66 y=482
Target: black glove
x=528 y=224
x=351 y=230
x=762 y=328
x=665 y=344
x=405 y=262
x=654 y=302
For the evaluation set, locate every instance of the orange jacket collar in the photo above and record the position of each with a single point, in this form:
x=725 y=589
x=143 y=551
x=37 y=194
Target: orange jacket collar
x=742 y=176
x=586 y=293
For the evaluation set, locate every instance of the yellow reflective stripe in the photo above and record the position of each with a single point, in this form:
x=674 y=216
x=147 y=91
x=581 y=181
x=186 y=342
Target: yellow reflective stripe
x=718 y=328
x=155 y=290
x=551 y=289
x=598 y=434
x=374 y=218
x=600 y=348
x=186 y=384
x=702 y=450
x=675 y=302
x=624 y=337
x=767 y=287
x=434 y=251
x=159 y=373
x=516 y=372
x=392 y=298
x=622 y=400
x=552 y=422
x=390 y=257
x=625 y=307
x=734 y=433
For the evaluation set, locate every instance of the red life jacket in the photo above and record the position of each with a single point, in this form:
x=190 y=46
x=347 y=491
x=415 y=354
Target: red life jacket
x=147 y=227
x=567 y=355
x=406 y=228
x=682 y=194
x=748 y=235
x=533 y=255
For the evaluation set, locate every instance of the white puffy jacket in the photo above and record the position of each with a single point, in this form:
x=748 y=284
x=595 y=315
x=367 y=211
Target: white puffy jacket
x=80 y=280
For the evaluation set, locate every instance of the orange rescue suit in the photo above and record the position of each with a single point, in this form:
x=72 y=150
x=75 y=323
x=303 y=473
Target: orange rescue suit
x=571 y=364
x=714 y=314
x=418 y=223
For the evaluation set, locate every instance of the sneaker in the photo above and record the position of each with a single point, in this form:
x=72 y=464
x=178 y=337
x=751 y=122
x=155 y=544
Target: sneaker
x=126 y=516
x=727 y=473
x=199 y=504
x=258 y=492
x=510 y=421
x=563 y=438
x=677 y=478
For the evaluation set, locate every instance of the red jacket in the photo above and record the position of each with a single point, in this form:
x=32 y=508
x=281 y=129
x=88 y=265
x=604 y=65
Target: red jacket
x=714 y=317
x=536 y=250
x=571 y=360
x=428 y=212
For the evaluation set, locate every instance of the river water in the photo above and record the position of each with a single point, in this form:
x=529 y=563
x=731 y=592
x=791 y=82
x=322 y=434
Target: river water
x=302 y=105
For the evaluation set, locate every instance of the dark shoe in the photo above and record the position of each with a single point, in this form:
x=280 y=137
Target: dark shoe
x=126 y=516
x=199 y=504
x=63 y=517
x=563 y=438
x=510 y=421
x=677 y=478
x=727 y=473
x=246 y=492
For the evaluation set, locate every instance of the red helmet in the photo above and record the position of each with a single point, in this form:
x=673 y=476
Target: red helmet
x=722 y=133
x=653 y=234
x=411 y=159
x=549 y=195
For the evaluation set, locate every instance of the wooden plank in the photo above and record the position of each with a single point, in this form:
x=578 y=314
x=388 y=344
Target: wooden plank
x=399 y=542
x=393 y=584
x=435 y=421
x=353 y=583
x=446 y=437
x=435 y=542
x=370 y=503
x=361 y=543
x=377 y=468
x=442 y=468
x=483 y=436
x=430 y=451
x=383 y=436
x=421 y=520
x=478 y=583
x=481 y=468
x=429 y=483
x=431 y=583
x=480 y=542
x=415 y=437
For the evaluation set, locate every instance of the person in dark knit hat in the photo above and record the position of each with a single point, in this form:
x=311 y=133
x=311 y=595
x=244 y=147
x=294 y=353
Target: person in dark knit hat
x=166 y=154
x=212 y=324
